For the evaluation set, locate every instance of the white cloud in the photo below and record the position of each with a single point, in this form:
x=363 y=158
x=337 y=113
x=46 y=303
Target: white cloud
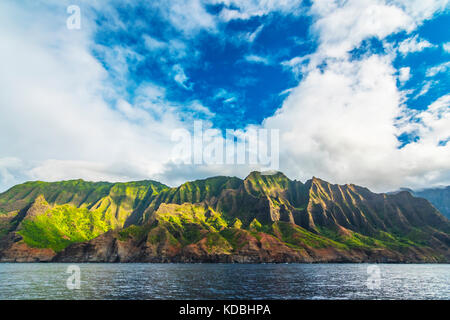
x=153 y=44
x=225 y=96
x=248 y=37
x=446 y=47
x=252 y=58
x=132 y=112
x=54 y=120
x=404 y=74
x=431 y=125
x=180 y=77
x=54 y=170
x=245 y=10
x=174 y=48
x=253 y=35
x=199 y=110
x=421 y=10
x=413 y=45
x=425 y=88
x=341 y=125
x=117 y=59
x=342 y=121
x=342 y=26
x=443 y=67
x=297 y=65
x=188 y=16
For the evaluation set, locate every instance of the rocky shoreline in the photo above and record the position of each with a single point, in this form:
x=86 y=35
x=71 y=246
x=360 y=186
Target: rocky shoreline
x=108 y=249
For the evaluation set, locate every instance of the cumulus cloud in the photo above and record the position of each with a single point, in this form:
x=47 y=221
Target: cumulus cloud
x=55 y=121
x=446 y=47
x=421 y=10
x=404 y=74
x=297 y=65
x=443 y=67
x=342 y=26
x=189 y=16
x=342 y=121
x=433 y=125
x=342 y=125
x=413 y=44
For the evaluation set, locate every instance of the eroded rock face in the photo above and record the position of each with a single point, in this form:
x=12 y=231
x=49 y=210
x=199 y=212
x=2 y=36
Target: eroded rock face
x=262 y=248
x=21 y=252
x=101 y=249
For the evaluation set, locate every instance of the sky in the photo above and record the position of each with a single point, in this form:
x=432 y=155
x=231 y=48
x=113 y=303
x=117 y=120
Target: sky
x=359 y=90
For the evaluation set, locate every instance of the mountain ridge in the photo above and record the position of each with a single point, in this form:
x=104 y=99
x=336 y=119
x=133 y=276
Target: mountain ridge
x=438 y=196
x=262 y=218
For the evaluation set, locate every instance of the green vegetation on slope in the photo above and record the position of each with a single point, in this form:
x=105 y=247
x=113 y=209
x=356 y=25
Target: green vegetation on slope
x=297 y=236
x=383 y=239
x=198 y=190
x=134 y=232
x=61 y=226
x=215 y=242
x=188 y=223
x=186 y=213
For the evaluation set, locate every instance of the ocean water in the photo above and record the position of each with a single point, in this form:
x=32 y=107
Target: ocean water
x=225 y=281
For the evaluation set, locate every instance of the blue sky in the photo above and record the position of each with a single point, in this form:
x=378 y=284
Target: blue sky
x=359 y=90
x=236 y=71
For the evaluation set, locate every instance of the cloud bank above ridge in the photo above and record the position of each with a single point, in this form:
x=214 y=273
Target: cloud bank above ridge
x=64 y=116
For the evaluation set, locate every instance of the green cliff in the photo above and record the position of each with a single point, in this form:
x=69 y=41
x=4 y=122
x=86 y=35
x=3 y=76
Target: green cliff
x=263 y=218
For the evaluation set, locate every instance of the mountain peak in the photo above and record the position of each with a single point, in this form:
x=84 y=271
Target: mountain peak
x=37 y=207
x=257 y=183
x=271 y=174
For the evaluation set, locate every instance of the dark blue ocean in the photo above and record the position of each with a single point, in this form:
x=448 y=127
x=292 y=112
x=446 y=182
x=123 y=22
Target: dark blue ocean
x=224 y=281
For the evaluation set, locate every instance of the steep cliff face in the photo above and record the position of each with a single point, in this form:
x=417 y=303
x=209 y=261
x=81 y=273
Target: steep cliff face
x=439 y=197
x=358 y=209
x=263 y=218
x=206 y=190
